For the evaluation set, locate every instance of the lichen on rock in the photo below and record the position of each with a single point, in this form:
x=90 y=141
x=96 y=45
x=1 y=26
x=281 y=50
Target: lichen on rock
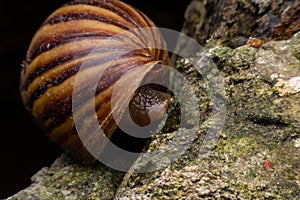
x=66 y=179
x=257 y=154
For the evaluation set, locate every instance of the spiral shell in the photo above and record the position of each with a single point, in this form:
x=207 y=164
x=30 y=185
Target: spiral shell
x=64 y=42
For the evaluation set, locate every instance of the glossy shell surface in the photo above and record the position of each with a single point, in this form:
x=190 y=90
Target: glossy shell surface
x=67 y=39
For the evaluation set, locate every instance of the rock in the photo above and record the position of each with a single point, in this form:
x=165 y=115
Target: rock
x=67 y=179
x=231 y=22
x=257 y=154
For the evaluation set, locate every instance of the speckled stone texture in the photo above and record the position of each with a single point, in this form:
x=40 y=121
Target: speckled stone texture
x=257 y=155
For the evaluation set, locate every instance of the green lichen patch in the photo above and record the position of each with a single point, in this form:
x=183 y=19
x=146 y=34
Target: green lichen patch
x=257 y=154
x=67 y=179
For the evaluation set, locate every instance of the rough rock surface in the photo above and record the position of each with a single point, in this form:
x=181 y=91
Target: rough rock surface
x=233 y=22
x=257 y=155
x=67 y=179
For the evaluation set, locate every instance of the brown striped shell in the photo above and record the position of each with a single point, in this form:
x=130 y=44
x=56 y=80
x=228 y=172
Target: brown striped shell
x=64 y=42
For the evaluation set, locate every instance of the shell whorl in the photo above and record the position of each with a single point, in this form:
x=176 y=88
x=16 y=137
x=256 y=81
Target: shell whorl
x=67 y=39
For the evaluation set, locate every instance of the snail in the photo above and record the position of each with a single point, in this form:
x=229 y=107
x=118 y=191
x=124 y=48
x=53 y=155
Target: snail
x=64 y=42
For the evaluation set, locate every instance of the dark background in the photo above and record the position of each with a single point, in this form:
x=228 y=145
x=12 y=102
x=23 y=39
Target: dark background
x=24 y=149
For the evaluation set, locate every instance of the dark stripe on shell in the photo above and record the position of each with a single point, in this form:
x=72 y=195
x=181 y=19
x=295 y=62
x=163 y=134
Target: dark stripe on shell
x=106 y=78
x=53 y=63
x=67 y=73
x=49 y=95
x=113 y=6
x=50 y=43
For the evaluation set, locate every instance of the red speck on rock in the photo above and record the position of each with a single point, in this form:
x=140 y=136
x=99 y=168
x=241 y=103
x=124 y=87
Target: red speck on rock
x=267 y=164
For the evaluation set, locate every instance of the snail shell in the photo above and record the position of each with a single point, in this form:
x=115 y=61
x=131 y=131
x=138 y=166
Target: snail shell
x=63 y=42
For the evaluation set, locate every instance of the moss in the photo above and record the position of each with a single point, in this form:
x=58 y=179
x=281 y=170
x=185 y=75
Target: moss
x=67 y=179
x=257 y=153
x=232 y=61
